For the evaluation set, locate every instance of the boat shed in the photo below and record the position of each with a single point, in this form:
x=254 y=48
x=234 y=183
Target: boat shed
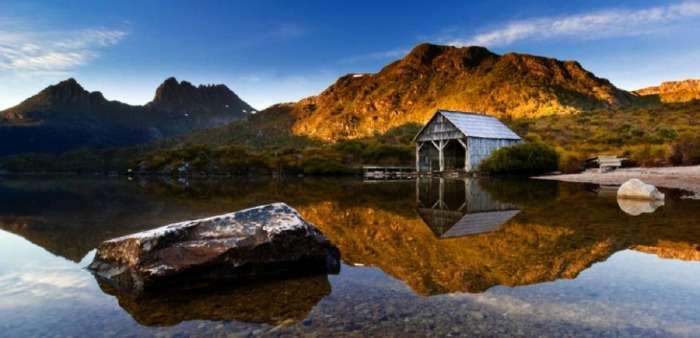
x=459 y=141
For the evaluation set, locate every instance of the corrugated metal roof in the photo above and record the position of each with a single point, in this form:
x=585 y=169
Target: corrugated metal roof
x=479 y=223
x=478 y=125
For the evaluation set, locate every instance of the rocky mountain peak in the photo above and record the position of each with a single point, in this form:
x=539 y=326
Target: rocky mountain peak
x=182 y=97
x=67 y=91
x=424 y=53
x=460 y=78
x=431 y=55
x=674 y=91
x=63 y=97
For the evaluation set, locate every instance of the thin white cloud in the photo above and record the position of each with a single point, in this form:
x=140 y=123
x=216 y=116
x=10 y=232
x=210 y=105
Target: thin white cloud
x=600 y=24
x=274 y=33
x=37 y=52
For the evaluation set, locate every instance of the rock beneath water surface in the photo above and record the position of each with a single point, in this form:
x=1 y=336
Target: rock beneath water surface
x=270 y=302
x=638 y=190
x=264 y=241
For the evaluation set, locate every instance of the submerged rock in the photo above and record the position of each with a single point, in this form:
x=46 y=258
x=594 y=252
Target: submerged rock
x=268 y=240
x=269 y=302
x=636 y=189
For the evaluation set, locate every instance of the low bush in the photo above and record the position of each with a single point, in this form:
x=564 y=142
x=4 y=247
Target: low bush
x=686 y=150
x=521 y=159
x=648 y=155
x=322 y=165
x=570 y=161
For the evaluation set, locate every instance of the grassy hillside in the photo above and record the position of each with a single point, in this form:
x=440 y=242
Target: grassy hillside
x=225 y=151
x=657 y=135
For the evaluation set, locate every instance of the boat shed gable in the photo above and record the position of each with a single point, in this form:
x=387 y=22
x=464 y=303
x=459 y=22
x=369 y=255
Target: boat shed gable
x=445 y=125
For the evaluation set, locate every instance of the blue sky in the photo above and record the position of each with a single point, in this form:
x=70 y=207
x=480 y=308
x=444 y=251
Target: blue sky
x=275 y=51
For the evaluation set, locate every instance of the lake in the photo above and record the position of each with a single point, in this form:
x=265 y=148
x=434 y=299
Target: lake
x=435 y=257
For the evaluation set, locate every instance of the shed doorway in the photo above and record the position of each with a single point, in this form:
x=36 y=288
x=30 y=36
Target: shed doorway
x=455 y=155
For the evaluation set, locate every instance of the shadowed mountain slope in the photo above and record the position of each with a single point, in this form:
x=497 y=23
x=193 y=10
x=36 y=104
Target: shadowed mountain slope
x=65 y=116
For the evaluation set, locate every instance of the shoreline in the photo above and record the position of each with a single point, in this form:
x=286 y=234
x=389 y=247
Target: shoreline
x=684 y=178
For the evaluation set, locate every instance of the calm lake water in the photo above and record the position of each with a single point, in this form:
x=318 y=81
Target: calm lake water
x=437 y=258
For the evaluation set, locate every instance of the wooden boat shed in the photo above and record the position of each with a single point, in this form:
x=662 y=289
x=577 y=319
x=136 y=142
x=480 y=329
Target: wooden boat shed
x=459 y=141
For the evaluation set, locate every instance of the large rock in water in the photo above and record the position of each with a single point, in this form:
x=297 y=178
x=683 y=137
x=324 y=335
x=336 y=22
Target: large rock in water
x=268 y=240
x=636 y=189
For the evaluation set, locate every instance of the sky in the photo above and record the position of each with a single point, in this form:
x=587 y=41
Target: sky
x=280 y=51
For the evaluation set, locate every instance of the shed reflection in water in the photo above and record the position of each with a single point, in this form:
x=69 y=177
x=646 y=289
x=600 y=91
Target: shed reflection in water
x=453 y=209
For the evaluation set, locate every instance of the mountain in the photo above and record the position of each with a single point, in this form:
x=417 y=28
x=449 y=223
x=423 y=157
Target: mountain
x=212 y=105
x=65 y=116
x=674 y=91
x=467 y=78
x=67 y=99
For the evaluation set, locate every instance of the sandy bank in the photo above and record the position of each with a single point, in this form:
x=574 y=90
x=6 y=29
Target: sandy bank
x=686 y=178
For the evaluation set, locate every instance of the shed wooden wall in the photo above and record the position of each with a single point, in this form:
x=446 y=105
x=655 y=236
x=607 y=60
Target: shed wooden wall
x=480 y=148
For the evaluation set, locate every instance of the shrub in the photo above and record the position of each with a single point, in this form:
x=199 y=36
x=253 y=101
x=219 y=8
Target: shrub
x=522 y=159
x=686 y=151
x=570 y=161
x=322 y=165
x=351 y=147
x=387 y=153
x=667 y=133
x=649 y=155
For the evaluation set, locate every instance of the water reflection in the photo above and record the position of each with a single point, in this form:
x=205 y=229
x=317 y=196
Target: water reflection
x=638 y=207
x=560 y=231
x=630 y=207
x=269 y=302
x=460 y=207
x=436 y=236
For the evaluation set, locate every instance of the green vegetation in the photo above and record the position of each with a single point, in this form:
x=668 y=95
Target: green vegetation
x=522 y=159
x=686 y=151
x=225 y=152
x=281 y=154
x=653 y=135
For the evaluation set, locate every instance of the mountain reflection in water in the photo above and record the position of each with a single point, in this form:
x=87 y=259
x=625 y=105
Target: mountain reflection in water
x=437 y=236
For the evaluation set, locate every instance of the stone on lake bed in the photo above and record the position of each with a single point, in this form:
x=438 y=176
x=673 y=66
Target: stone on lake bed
x=638 y=190
x=264 y=241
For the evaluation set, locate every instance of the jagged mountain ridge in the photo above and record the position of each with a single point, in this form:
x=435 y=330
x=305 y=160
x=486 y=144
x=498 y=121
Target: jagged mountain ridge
x=434 y=76
x=674 y=91
x=65 y=116
x=207 y=101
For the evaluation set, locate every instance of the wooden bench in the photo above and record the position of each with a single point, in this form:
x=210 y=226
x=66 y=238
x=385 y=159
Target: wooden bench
x=607 y=163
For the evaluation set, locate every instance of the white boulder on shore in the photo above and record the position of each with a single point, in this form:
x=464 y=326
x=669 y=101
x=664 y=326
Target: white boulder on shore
x=637 y=190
